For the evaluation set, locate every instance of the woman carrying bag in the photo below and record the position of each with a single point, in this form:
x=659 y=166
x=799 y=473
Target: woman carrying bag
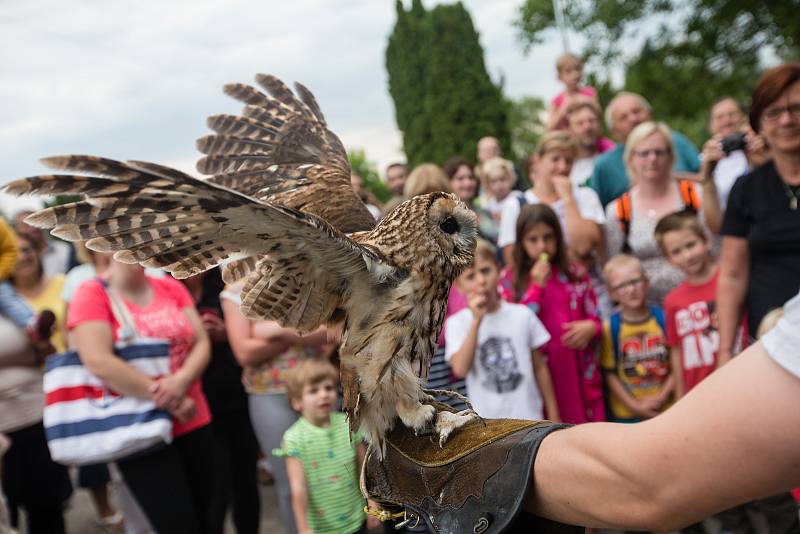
x=174 y=484
x=32 y=481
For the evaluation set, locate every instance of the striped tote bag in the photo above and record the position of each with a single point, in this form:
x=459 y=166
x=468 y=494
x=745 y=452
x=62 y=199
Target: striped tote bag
x=86 y=422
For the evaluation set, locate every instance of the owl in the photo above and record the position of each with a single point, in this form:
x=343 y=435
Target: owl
x=278 y=212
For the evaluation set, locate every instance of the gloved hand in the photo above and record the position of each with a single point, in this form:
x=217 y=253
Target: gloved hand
x=475 y=483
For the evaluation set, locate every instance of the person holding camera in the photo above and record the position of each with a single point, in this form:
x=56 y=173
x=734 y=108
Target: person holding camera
x=760 y=262
x=733 y=149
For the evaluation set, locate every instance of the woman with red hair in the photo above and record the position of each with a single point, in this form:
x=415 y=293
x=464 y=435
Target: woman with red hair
x=760 y=264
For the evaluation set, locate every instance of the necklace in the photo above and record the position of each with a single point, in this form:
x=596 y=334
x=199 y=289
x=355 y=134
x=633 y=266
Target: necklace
x=792 y=193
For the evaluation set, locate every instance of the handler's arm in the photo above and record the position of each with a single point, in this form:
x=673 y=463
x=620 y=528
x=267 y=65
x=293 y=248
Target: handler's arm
x=732 y=439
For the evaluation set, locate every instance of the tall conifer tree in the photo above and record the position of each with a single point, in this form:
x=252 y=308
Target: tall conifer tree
x=444 y=98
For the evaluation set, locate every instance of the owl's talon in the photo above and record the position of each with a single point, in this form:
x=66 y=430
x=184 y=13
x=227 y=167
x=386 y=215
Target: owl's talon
x=446 y=422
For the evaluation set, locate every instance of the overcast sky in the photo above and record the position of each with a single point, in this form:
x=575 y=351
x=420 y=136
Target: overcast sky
x=135 y=80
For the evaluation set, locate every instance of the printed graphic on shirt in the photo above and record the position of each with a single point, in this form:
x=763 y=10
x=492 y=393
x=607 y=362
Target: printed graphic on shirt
x=645 y=359
x=697 y=328
x=499 y=366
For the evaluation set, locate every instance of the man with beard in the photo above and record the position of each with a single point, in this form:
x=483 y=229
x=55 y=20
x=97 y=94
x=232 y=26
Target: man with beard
x=584 y=122
x=624 y=113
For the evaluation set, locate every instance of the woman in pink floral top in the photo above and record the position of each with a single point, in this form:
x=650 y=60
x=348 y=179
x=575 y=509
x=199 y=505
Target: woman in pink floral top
x=562 y=297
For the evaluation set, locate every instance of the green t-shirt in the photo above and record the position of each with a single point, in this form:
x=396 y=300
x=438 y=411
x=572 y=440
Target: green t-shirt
x=330 y=463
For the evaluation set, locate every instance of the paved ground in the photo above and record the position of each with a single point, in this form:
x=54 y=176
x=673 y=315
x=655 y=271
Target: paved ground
x=81 y=515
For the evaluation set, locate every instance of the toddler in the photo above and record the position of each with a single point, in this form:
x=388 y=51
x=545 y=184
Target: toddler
x=322 y=458
x=569 y=68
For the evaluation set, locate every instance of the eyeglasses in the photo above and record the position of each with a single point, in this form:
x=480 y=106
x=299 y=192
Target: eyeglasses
x=630 y=284
x=773 y=114
x=657 y=152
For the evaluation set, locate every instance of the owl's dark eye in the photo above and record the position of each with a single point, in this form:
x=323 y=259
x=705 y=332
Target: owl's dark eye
x=449 y=225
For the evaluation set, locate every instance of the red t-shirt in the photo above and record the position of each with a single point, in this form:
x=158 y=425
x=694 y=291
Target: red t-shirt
x=692 y=327
x=163 y=318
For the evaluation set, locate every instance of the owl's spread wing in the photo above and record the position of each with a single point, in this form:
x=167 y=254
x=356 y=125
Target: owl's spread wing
x=161 y=217
x=280 y=150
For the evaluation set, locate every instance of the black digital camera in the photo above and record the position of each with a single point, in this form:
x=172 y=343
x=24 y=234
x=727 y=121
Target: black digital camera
x=733 y=142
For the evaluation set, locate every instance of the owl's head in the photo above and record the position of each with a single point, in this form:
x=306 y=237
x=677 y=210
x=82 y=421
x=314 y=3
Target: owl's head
x=434 y=231
x=453 y=228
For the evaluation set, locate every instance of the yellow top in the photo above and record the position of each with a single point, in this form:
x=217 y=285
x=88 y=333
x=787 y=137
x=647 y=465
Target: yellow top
x=8 y=250
x=642 y=364
x=50 y=299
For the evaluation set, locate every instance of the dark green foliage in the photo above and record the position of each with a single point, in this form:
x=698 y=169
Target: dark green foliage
x=444 y=98
x=525 y=122
x=697 y=50
x=367 y=170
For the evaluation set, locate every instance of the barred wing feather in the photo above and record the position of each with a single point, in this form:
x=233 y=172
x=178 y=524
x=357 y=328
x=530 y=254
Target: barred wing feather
x=161 y=217
x=281 y=151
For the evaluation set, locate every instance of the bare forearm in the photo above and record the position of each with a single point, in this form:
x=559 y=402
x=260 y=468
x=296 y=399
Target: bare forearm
x=508 y=254
x=619 y=391
x=317 y=337
x=712 y=210
x=554 y=117
x=668 y=389
x=95 y=347
x=120 y=377
x=730 y=298
x=731 y=290
x=196 y=361
x=545 y=383
x=701 y=455
x=300 y=509
x=299 y=492
x=582 y=234
x=249 y=349
x=677 y=373
x=461 y=361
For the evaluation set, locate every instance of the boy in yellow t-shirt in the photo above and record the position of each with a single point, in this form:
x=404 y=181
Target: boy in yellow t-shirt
x=634 y=353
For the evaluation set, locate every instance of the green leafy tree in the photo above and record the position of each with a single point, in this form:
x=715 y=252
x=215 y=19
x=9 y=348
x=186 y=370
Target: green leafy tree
x=368 y=171
x=693 y=51
x=526 y=123
x=444 y=99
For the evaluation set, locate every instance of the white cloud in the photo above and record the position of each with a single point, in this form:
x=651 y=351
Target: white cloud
x=134 y=80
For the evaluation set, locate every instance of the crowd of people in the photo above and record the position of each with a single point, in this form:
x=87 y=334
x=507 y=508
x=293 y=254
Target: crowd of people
x=611 y=278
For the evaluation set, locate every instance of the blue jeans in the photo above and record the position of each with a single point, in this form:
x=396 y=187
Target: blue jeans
x=14 y=306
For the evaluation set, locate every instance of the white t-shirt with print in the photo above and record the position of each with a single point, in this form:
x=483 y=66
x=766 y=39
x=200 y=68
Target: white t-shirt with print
x=495 y=207
x=586 y=200
x=501 y=382
x=582 y=169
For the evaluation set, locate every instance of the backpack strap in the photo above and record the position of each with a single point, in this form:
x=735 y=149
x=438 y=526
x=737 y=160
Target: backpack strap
x=614 y=324
x=658 y=313
x=623 y=204
x=689 y=196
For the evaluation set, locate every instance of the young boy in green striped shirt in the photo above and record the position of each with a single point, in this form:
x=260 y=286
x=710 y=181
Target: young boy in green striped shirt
x=322 y=458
